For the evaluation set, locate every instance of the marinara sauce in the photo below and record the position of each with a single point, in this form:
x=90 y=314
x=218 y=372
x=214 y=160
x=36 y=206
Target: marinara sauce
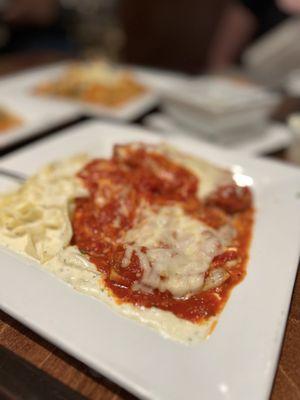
x=135 y=176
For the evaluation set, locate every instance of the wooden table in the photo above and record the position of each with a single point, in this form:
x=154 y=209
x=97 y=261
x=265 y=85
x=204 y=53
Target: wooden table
x=75 y=375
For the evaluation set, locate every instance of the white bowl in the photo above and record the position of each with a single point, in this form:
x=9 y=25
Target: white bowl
x=220 y=108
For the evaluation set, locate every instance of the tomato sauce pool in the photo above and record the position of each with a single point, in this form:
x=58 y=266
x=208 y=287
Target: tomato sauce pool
x=117 y=187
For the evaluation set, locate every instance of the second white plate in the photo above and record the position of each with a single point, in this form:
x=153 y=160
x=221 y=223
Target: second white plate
x=35 y=116
x=24 y=83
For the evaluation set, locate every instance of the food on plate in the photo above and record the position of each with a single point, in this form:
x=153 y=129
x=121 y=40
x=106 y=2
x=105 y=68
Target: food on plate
x=7 y=120
x=161 y=236
x=94 y=82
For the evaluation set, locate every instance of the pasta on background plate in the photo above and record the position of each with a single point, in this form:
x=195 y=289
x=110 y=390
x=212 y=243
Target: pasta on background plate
x=94 y=82
x=8 y=120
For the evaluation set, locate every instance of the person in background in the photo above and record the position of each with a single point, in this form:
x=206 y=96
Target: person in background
x=243 y=21
x=32 y=25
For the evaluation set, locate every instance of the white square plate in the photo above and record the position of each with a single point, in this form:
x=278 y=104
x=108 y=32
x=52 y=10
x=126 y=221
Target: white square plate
x=36 y=116
x=24 y=83
x=239 y=359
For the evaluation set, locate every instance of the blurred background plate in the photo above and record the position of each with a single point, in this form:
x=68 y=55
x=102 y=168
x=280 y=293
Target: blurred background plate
x=24 y=83
x=36 y=116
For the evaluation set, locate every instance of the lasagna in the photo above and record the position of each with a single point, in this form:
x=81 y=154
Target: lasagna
x=7 y=120
x=160 y=236
x=94 y=82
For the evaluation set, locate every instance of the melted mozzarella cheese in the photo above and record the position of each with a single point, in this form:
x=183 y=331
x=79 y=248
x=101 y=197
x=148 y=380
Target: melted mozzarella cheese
x=179 y=250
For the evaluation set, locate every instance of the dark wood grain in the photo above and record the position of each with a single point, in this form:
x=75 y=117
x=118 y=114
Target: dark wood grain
x=36 y=384
x=48 y=358
x=287 y=380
